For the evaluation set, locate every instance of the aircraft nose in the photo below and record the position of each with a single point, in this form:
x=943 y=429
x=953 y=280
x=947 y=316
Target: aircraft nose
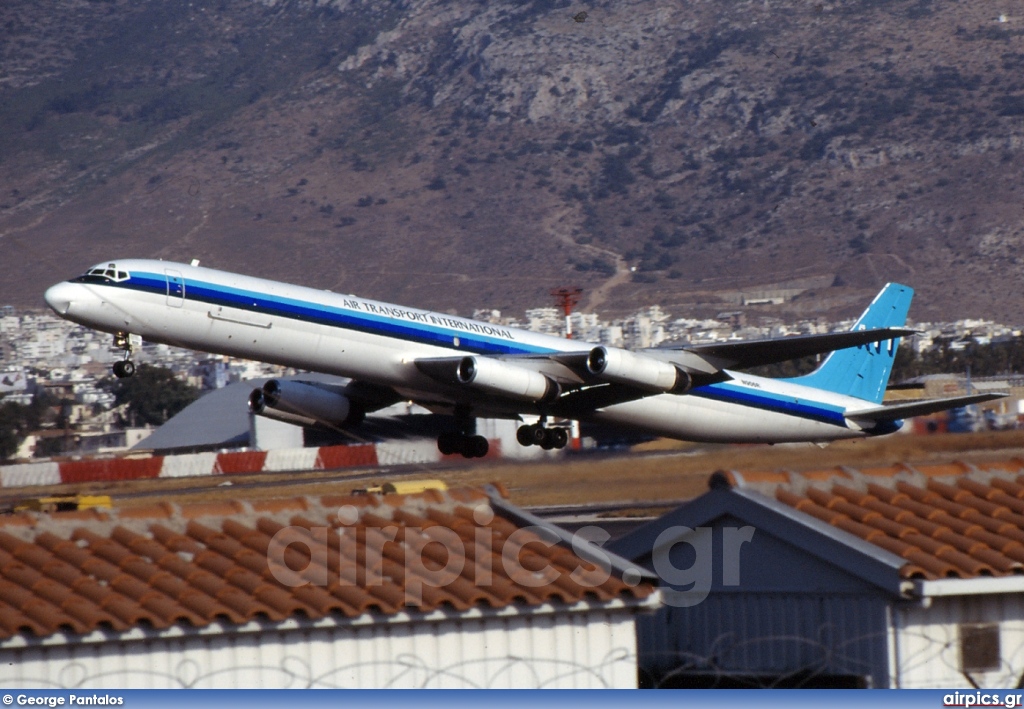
x=61 y=296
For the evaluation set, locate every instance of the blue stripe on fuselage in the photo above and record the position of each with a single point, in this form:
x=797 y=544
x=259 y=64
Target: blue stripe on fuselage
x=214 y=294
x=305 y=311
x=792 y=406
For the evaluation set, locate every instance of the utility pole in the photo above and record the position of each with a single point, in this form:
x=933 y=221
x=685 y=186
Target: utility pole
x=567 y=298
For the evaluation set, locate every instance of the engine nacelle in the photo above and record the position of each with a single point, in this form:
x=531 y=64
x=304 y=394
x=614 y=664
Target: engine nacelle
x=624 y=367
x=258 y=405
x=498 y=377
x=301 y=403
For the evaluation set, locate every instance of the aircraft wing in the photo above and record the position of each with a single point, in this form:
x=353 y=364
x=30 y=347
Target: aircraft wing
x=909 y=409
x=752 y=353
x=567 y=368
x=575 y=378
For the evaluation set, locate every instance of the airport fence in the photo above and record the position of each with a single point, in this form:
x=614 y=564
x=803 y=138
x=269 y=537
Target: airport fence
x=55 y=472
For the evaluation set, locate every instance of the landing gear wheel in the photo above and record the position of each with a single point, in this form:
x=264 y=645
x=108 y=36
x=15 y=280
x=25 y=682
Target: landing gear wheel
x=559 y=438
x=531 y=435
x=538 y=435
x=124 y=369
x=476 y=447
x=123 y=341
x=524 y=435
x=448 y=443
x=528 y=435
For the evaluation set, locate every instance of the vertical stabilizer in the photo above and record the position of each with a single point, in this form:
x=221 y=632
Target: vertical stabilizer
x=864 y=371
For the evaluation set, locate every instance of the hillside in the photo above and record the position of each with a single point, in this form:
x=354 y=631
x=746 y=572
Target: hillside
x=455 y=154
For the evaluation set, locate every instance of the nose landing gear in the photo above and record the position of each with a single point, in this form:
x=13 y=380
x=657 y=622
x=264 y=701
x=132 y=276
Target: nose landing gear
x=125 y=368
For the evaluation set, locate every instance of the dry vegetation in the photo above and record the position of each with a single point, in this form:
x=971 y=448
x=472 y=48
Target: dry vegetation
x=457 y=155
x=668 y=475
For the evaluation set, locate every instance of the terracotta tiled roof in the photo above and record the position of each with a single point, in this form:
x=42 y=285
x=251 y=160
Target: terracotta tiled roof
x=952 y=520
x=162 y=564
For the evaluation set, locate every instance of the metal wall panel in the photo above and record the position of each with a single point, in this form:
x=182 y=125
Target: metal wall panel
x=928 y=641
x=570 y=650
x=769 y=634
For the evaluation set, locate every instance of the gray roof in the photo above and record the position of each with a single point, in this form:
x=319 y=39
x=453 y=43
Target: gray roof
x=862 y=559
x=218 y=419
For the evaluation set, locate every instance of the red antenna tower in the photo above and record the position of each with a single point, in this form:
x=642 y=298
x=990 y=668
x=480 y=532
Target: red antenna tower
x=567 y=298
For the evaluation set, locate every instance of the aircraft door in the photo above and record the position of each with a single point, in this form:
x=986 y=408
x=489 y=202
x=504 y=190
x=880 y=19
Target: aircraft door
x=175 y=288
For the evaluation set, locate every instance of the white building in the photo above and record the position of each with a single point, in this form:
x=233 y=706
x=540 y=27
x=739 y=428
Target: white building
x=907 y=576
x=439 y=589
x=547 y=320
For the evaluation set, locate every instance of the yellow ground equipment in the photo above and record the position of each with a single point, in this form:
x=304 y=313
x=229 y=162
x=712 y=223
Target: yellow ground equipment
x=403 y=487
x=64 y=503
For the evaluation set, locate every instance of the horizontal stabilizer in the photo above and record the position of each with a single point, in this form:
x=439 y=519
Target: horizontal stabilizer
x=752 y=353
x=909 y=409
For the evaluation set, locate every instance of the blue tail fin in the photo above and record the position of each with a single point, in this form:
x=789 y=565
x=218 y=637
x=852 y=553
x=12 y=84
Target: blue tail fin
x=864 y=371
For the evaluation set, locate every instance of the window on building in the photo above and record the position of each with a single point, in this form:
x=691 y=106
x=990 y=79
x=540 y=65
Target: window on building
x=979 y=647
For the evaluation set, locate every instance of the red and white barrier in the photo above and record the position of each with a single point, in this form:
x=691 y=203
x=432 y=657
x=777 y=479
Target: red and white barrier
x=198 y=464
x=188 y=465
x=30 y=474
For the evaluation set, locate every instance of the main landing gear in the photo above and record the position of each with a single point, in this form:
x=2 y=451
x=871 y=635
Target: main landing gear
x=538 y=435
x=462 y=440
x=467 y=446
x=124 y=368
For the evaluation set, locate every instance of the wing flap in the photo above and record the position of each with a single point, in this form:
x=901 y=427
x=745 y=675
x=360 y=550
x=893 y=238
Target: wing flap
x=909 y=409
x=579 y=402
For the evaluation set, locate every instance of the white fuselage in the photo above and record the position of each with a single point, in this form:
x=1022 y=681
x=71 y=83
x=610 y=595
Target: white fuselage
x=242 y=316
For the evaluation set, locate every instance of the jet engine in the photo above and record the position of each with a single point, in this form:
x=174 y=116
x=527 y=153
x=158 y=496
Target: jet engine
x=498 y=377
x=624 y=367
x=258 y=405
x=304 y=404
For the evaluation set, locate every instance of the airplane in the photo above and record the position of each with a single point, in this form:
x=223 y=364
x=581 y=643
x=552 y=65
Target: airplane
x=469 y=369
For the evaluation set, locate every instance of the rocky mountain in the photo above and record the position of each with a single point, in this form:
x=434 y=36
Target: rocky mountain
x=455 y=154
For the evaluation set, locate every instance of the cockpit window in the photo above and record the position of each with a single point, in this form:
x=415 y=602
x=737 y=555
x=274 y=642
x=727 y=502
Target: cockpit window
x=103 y=274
